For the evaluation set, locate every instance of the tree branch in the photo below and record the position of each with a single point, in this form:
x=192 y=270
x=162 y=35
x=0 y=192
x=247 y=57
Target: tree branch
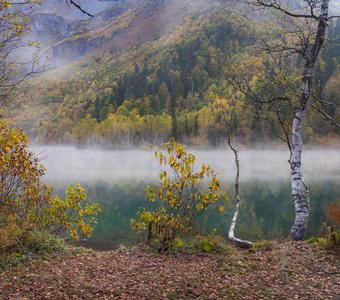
x=320 y=110
x=333 y=17
x=276 y=5
x=71 y=2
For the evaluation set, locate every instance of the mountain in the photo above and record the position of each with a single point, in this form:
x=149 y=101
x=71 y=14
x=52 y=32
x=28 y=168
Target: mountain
x=141 y=71
x=66 y=34
x=70 y=13
x=120 y=24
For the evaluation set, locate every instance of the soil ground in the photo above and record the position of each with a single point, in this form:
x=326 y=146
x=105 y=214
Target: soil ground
x=287 y=271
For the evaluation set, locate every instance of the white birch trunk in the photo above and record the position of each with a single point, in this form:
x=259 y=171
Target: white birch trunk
x=299 y=189
x=231 y=232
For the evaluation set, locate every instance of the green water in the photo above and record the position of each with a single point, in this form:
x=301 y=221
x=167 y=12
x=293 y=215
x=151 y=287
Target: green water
x=117 y=180
x=267 y=211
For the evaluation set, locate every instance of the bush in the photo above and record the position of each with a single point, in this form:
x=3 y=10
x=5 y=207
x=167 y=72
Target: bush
x=330 y=240
x=21 y=191
x=179 y=201
x=332 y=235
x=27 y=205
x=333 y=213
x=263 y=245
x=198 y=244
x=70 y=216
x=43 y=242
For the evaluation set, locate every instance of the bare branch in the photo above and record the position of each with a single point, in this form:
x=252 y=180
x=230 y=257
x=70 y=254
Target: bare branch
x=274 y=4
x=330 y=118
x=78 y=7
x=333 y=17
x=285 y=132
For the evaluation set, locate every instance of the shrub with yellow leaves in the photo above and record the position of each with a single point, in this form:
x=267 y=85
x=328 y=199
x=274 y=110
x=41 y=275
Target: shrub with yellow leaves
x=71 y=215
x=26 y=204
x=180 y=199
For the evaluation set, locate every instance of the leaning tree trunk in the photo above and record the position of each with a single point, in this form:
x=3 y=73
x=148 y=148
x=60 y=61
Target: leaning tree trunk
x=231 y=232
x=299 y=188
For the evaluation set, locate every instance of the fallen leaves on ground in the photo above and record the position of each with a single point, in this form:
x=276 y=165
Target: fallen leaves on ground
x=291 y=270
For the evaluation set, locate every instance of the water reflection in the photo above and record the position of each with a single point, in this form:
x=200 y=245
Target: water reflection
x=117 y=179
x=267 y=211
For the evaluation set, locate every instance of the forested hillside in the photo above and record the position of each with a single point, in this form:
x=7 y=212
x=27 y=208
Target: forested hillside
x=151 y=73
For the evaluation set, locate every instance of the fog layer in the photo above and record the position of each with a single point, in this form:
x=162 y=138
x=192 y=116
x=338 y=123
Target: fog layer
x=67 y=164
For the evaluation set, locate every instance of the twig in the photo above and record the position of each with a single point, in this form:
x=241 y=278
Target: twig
x=79 y=7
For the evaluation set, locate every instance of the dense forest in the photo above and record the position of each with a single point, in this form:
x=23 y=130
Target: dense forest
x=164 y=86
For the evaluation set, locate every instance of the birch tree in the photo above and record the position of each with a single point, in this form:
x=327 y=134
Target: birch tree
x=227 y=111
x=309 y=19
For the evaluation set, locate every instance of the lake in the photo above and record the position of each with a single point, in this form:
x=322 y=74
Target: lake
x=117 y=180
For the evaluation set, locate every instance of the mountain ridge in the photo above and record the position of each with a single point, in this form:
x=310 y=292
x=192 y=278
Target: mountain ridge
x=156 y=72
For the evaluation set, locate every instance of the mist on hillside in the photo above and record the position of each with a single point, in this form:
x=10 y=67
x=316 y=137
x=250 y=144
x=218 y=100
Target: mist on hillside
x=66 y=34
x=69 y=12
x=142 y=71
x=68 y=164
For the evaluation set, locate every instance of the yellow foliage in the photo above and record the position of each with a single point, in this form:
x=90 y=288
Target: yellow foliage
x=26 y=204
x=179 y=200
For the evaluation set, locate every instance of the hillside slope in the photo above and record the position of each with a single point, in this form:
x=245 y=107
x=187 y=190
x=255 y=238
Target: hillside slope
x=151 y=71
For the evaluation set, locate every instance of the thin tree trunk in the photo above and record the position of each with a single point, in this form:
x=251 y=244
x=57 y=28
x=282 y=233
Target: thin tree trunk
x=231 y=232
x=299 y=188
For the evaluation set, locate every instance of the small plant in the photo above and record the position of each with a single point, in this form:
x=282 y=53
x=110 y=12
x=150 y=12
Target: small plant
x=16 y=258
x=263 y=245
x=172 y=295
x=43 y=242
x=197 y=244
x=332 y=232
x=317 y=240
x=332 y=237
x=207 y=245
x=179 y=200
x=333 y=213
x=330 y=240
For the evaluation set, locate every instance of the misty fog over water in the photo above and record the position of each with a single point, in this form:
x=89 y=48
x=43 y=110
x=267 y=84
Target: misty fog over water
x=68 y=164
x=117 y=180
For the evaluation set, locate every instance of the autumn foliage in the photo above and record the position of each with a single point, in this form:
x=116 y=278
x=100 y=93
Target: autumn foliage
x=27 y=205
x=333 y=213
x=179 y=199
